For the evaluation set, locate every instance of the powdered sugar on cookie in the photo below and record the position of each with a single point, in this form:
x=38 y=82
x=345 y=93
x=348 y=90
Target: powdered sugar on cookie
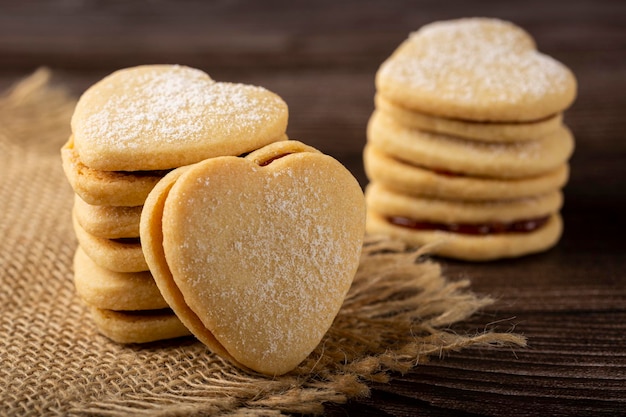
x=482 y=68
x=264 y=255
x=175 y=107
x=164 y=116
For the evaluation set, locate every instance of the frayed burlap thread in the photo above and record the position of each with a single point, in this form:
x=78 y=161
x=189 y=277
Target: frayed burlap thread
x=397 y=314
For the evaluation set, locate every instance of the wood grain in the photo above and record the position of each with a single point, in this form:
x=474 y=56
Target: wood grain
x=321 y=58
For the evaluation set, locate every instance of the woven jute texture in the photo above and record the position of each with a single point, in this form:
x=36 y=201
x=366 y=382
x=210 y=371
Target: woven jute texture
x=54 y=362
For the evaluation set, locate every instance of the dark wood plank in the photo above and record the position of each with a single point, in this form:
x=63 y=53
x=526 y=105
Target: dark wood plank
x=272 y=34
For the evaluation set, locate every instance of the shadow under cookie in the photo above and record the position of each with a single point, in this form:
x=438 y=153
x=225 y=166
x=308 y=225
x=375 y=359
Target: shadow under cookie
x=138 y=326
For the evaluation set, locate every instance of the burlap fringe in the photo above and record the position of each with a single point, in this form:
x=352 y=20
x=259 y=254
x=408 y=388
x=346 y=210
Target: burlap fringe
x=398 y=313
x=36 y=114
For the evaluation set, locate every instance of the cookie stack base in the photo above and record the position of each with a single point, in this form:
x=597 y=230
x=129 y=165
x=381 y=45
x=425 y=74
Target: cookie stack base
x=126 y=307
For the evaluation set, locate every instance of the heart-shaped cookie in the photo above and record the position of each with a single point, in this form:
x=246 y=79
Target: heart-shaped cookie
x=158 y=117
x=255 y=255
x=477 y=69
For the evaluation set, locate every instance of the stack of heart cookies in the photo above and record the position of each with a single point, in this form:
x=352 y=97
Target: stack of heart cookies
x=128 y=131
x=196 y=215
x=467 y=149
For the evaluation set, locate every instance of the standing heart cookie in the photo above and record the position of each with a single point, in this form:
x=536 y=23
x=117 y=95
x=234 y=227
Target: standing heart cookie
x=255 y=255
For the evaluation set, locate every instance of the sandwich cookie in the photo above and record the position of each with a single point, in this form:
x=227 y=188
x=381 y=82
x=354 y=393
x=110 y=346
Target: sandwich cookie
x=476 y=230
x=407 y=178
x=138 y=326
x=102 y=288
x=490 y=131
x=119 y=255
x=255 y=255
x=458 y=212
x=467 y=246
x=160 y=117
x=108 y=222
x=439 y=152
x=107 y=188
x=110 y=188
x=477 y=69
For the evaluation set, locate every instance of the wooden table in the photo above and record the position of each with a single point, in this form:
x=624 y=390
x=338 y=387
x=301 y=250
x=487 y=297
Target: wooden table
x=321 y=58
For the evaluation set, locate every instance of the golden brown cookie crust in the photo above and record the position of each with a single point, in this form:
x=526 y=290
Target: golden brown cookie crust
x=102 y=288
x=390 y=203
x=482 y=159
x=483 y=131
x=412 y=180
x=108 y=222
x=151 y=230
x=138 y=327
x=118 y=256
x=470 y=247
x=106 y=188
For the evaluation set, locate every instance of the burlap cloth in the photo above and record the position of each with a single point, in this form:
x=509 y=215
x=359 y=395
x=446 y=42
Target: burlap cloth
x=53 y=361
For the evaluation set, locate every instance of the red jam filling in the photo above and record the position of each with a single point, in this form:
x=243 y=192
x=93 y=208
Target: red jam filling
x=438 y=171
x=446 y=173
x=491 y=228
x=272 y=159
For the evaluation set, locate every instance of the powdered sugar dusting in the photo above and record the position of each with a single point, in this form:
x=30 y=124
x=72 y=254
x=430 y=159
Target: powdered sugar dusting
x=176 y=105
x=476 y=58
x=276 y=268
